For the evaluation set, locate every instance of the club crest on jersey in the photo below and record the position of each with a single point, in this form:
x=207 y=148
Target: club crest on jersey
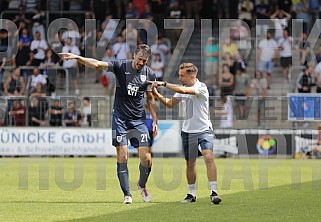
x=119 y=138
x=143 y=78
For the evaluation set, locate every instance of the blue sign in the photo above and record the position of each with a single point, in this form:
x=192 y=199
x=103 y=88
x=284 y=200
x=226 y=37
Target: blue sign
x=304 y=107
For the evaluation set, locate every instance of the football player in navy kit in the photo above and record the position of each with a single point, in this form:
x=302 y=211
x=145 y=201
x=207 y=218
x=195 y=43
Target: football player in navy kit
x=128 y=113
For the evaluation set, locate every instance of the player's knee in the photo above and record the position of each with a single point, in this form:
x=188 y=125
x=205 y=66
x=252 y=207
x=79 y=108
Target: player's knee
x=208 y=158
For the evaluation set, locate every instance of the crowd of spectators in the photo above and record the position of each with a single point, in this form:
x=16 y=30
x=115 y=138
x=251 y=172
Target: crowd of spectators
x=114 y=41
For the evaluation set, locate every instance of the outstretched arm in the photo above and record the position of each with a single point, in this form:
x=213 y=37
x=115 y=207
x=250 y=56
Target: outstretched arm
x=174 y=87
x=90 y=62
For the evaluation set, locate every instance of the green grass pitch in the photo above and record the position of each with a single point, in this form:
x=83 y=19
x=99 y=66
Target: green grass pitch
x=87 y=189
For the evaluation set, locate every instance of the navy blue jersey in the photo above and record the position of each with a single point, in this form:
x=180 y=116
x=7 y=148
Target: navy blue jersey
x=130 y=90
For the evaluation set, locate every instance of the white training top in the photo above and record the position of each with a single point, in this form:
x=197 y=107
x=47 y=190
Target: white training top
x=268 y=48
x=286 y=44
x=197 y=116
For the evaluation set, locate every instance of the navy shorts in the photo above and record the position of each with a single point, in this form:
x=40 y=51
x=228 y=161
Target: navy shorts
x=191 y=142
x=133 y=130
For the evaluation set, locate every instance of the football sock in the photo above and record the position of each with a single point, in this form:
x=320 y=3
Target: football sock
x=192 y=189
x=144 y=174
x=122 y=173
x=213 y=185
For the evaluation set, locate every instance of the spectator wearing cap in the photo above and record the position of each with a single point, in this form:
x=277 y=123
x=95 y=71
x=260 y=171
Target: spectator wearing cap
x=72 y=117
x=211 y=58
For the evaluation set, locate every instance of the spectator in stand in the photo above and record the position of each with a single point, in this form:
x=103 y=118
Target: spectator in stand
x=72 y=64
x=231 y=48
x=121 y=49
x=37 y=78
x=121 y=4
x=241 y=37
x=280 y=19
x=301 y=9
x=86 y=112
x=158 y=8
x=15 y=84
x=72 y=33
x=131 y=12
x=318 y=56
x=147 y=13
x=303 y=47
x=245 y=9
x=231 y=62
x=268 y=50
x=48 y=62
x=38 y=48
x=2 y=64
x=109 y=26
x=192 y=10
x=56 y=47
x=23 y=57
x=242 y=84
x=314 y=11
x=175 y=12
x=317 y=75
x=18 y=113
x=259 y=85
x=54 y=5
x=72 y=117
x=157 y=66
x=38 y=20
x=56 y=111
x=30 y=5
x=262 y=11
x=22 y=16
x=147 y=31
x=285 y=5
x=304 y=84
x=285 y=47
x=111 y=87
x=36 y=116
x=130 y=35
x=211 y=59
x=102 y=44
x=160 y=48
x=226 y=82
x=38 y=91
x=75 y=5
x=304 y=80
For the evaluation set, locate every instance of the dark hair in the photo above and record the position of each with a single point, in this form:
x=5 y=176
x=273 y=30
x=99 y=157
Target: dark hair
x=144 y=49
x=190 y=67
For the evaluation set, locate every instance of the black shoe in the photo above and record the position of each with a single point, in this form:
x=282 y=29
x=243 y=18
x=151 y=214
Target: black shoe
x=96 y=81
x=215 y=199
x=189 y=199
